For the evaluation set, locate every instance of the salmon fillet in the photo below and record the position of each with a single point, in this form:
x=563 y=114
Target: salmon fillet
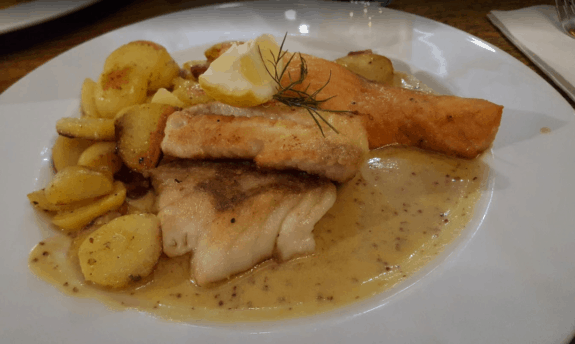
x=451 y=125
x=233 y=216
x=273 y=135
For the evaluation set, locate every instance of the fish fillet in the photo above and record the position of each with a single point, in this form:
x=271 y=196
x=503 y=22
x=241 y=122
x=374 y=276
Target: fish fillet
x=452 y=125
x=274 y=136
x=233 y=216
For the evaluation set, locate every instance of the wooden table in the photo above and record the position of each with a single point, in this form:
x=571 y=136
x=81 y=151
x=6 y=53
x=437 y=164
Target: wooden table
x=22 y=51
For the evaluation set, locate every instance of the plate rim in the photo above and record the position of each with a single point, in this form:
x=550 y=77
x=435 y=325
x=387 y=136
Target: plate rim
x=30 y=76
x=46 y=16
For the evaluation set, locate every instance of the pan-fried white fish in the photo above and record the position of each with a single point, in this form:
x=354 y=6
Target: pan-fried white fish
x=273 y=135
x=233 y=216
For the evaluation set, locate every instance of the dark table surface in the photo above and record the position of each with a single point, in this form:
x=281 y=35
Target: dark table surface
x=24 y=50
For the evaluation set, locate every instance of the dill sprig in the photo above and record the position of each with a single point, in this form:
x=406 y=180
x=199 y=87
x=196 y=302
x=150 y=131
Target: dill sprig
x=292 y=97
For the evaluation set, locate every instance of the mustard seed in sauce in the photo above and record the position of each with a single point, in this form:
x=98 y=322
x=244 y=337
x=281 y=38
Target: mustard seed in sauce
x=356 y=256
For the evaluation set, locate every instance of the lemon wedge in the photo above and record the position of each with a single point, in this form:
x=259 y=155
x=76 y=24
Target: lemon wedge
x=239 y=76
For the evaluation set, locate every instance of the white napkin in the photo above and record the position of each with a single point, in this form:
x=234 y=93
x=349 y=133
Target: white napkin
x=536 y=31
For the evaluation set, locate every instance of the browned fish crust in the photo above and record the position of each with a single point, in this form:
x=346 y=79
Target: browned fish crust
x=223 y=187
x=456 y=126
x=274 y=136
x=233 y=215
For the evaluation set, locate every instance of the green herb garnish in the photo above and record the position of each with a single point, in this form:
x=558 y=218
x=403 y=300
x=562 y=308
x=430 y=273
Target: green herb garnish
x=291 y=97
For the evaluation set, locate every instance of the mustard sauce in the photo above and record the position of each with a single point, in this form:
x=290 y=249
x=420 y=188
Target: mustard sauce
x=400 y=211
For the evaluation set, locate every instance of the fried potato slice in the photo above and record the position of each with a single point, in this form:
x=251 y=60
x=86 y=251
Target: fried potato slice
x=124 y=250
x=119 y=87
x=217 y=49
x=76 y=183
x=371 y=66
x=82 y=235
x=66 y=151
x=101 y=156
x=139 y=133
x=73 y=220
x=190 y=92
x=97 y=129
x=38 y=199
x=192 y=70
x=153 y=58
x=87 y=102
x=164 y=96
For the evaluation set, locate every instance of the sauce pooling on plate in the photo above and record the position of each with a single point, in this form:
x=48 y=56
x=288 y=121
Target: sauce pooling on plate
x=397 y=214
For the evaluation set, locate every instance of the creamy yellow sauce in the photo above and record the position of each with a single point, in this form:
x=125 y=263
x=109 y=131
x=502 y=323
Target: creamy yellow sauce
x=399 y=212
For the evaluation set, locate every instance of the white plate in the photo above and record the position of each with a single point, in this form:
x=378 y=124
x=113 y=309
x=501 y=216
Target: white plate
x=509 y=280
x=38 y=11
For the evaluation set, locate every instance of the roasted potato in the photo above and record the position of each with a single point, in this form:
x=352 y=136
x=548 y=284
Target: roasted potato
x=216 y=50
x=153 y=58
x=73 y=220
x=192 y=70
x=87 y=103
x=79 y=238
x=120 y=87
x=369 y=65
x=164 y=96
x=190 y=92
x=76 y=183
x=82 y=235
x=139 y=133
x=101 y=156
x=39 y=200
x=121 y=251
x=97 y=129
x=66 y=151
x=149 y=99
